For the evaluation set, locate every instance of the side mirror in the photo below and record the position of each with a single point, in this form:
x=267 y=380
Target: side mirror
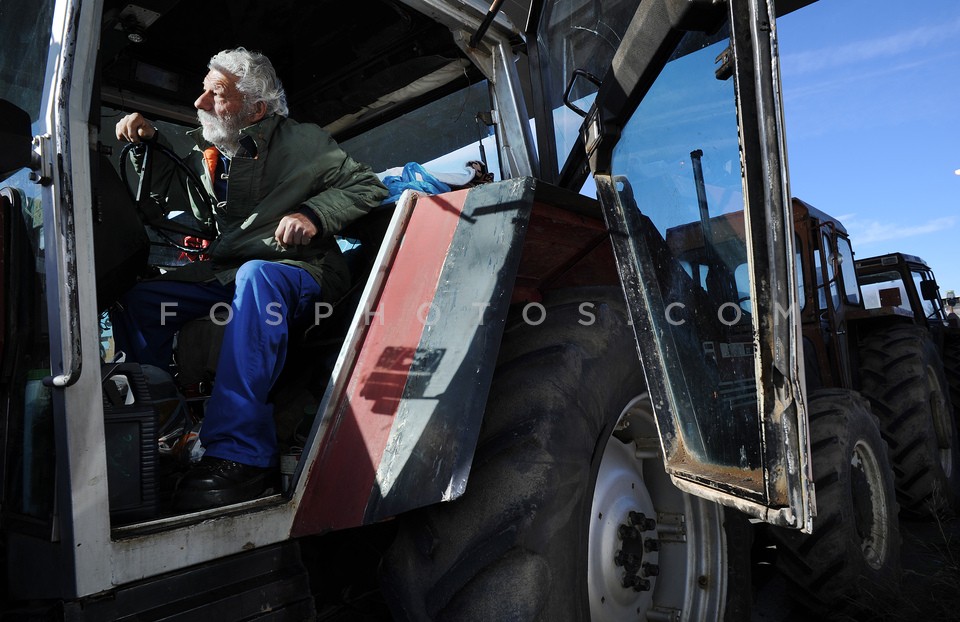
x=929 y=290
x=16 y=139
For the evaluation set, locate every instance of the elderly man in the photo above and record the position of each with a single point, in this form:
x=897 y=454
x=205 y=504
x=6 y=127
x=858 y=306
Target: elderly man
x=281 y=190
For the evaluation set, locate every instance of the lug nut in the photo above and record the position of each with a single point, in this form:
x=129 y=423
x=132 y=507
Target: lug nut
x=628 y=533
x=638 y=584
x=650 y=570
x=651 y=545
x=640 y=520
x=629 y=561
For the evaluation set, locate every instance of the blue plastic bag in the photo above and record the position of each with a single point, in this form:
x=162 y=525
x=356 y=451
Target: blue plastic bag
x=413 y=177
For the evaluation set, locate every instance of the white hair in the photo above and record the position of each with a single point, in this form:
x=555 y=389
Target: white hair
x=256 y=78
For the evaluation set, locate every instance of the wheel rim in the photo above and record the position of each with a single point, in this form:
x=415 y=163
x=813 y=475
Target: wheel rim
x=654 y=551
x=942 y=422
x=870 y=505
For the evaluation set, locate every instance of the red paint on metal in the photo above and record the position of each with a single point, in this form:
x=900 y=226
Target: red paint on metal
x=563 y=249
x=342 y=478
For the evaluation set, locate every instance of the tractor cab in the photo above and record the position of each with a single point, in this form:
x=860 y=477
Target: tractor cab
x=903 y=281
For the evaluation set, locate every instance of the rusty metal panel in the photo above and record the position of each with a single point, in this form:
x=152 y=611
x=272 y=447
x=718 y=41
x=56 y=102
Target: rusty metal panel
x=403 y=431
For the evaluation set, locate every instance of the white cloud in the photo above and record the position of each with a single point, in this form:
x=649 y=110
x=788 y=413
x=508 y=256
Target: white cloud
x=894 y=45
x=869 y=232
x=872 y=76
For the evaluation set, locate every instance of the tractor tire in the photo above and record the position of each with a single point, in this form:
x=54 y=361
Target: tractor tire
x=568 y=460
x=851 y=561
x=951 y=367
x=902 y=375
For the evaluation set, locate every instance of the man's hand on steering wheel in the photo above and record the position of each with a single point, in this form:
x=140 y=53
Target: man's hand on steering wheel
x=134 y=127
x=140 y=133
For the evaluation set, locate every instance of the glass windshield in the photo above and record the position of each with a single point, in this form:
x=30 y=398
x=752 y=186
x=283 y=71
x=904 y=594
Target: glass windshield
x=679 y=165
x=578 y=35
x=884 y=289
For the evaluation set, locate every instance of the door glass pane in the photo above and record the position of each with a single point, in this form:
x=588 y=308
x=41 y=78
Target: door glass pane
x=830 y=254
x=23 y=55
x=847 y=268
x=27 y=456
x=798 y=273
x=678 y=163
x=818 y=274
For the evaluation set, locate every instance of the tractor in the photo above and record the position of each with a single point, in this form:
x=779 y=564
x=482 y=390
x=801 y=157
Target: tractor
x=907 y=282
x=575 y=393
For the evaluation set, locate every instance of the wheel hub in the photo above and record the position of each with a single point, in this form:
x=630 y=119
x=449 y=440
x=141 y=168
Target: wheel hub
x=654 y=552
x=624 y=549
x=638 y=538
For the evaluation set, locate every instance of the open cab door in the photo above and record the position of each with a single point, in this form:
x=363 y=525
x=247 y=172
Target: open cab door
x=685 y=141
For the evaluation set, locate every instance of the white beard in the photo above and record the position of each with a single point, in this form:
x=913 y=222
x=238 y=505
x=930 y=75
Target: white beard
x=223 y=132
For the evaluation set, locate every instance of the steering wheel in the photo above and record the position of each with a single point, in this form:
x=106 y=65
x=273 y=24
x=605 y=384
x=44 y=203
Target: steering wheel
x=156 y=219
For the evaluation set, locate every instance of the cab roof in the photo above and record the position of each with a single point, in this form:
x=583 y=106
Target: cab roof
x=345 y=65
x=334 y=58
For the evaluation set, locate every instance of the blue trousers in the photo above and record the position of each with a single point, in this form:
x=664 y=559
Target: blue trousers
x=266 y=301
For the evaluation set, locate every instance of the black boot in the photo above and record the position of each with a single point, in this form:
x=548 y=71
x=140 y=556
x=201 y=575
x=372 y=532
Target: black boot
x=213 y=482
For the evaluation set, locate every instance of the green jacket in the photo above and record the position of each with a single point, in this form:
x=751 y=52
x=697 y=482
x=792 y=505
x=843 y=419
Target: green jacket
x=296 y=165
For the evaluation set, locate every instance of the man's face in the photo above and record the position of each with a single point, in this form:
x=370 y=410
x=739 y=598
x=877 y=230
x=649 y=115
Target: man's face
x=222 y=110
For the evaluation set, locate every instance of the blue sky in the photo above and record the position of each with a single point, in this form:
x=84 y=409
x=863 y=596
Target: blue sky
x=872 y=107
